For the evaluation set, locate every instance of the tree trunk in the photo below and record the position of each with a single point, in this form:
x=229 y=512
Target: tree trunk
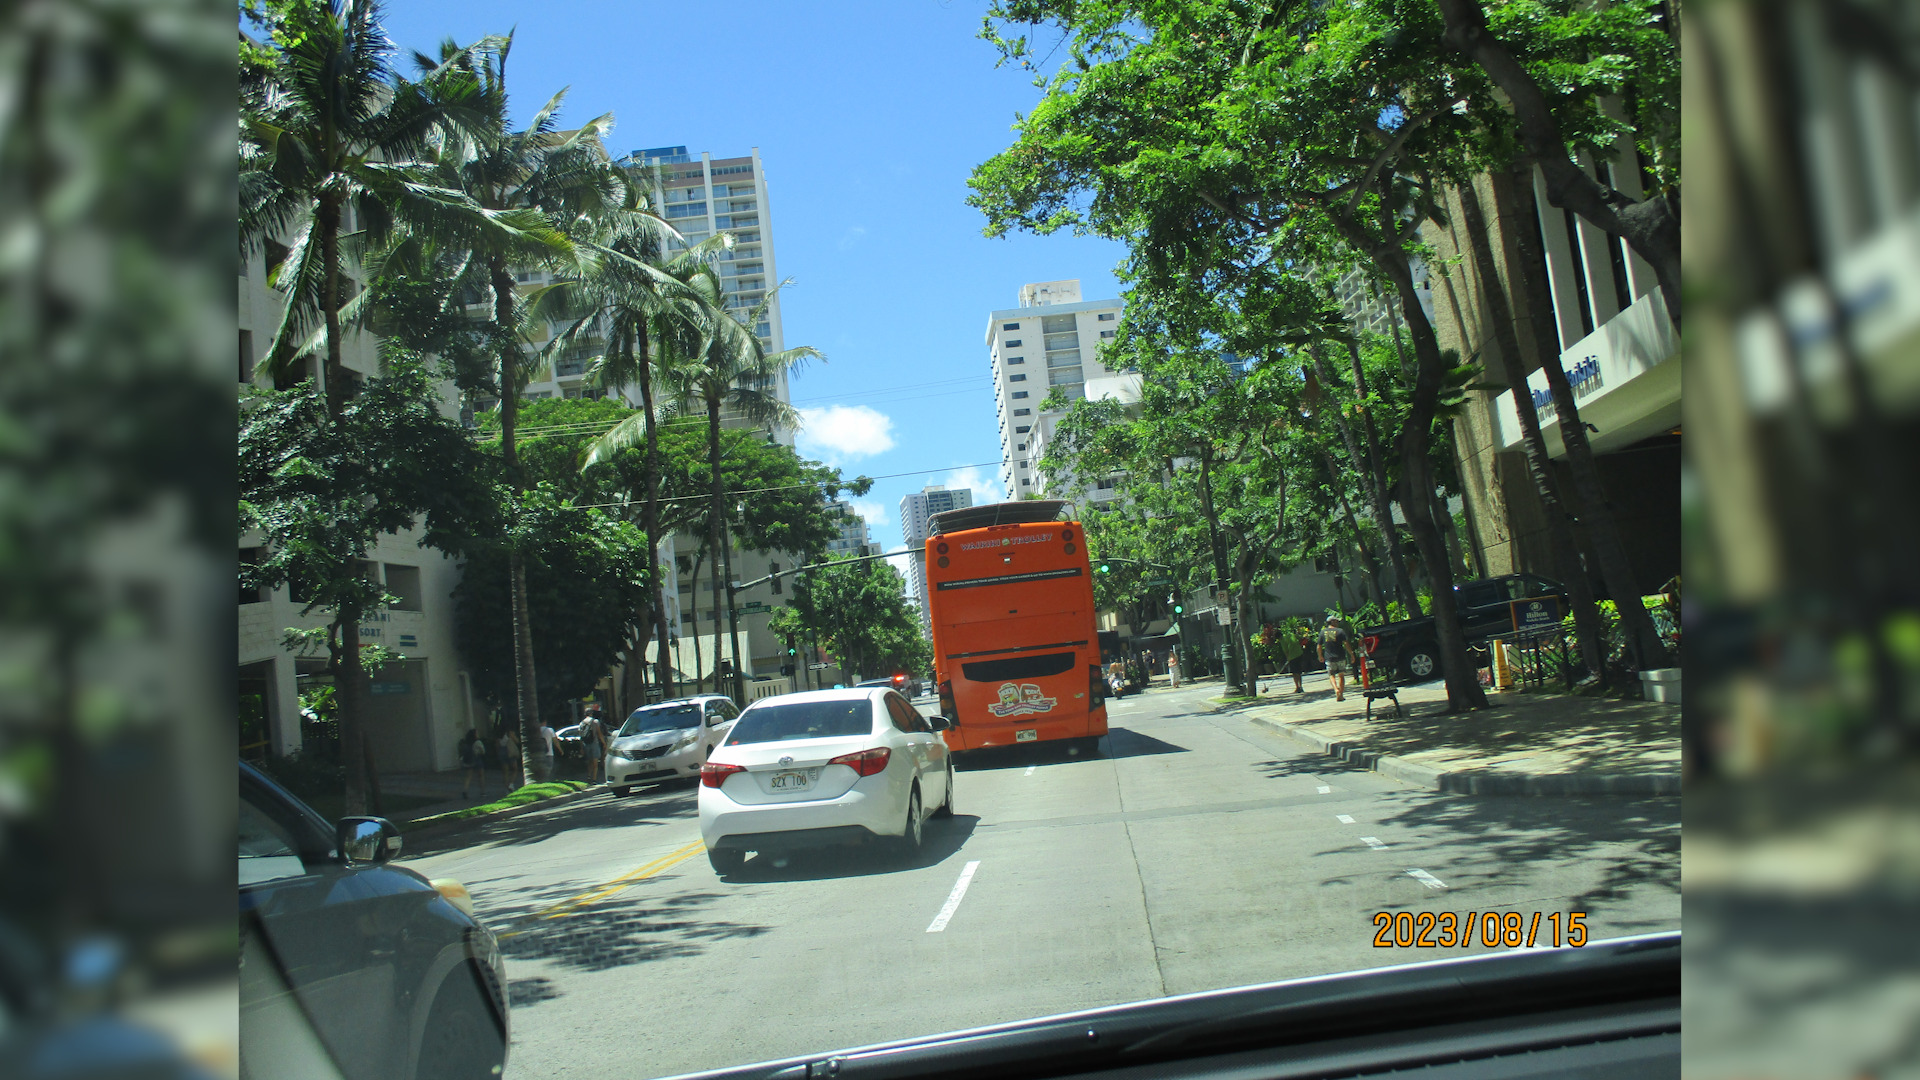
x=523 y=671
x=1371 y=471
x=529 y=691
x=693 y=579
x=1416 y=471
x=347 y=701
x=1382 y=491
x=1651 y=226
x=333 y=382
x=650 y=521
x=1595 y=510
x=724 y=557
x=1243 y=635
x=1560 y=537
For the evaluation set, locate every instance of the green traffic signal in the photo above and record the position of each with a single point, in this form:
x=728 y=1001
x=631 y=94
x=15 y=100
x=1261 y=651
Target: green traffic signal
x=1177 y=609
x=1105 y=569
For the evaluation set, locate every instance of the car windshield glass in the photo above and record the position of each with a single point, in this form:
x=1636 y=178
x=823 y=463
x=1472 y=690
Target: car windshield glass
x=664 y=718
x=803 y=720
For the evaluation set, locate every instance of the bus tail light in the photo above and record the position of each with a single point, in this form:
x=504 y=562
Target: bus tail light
x=1095 y=685
x=947 y=707
x=713 y=774
x=866 y=762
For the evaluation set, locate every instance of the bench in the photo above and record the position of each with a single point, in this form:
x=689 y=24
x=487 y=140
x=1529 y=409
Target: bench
x=1376 y=684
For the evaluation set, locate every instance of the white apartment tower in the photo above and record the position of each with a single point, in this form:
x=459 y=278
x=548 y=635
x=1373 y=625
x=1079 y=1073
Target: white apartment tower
x=915 y=509
x=1052 y=339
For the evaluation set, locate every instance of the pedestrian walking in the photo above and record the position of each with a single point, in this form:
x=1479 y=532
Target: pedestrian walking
x=593 y=742
x=473 y=755
x=1173 y=668
x=1336 y=651
x=1298 y=647
x=510 y=770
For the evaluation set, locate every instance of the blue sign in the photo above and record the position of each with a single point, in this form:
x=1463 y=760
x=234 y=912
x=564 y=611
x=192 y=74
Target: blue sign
x=408 y=640
x=391 y=688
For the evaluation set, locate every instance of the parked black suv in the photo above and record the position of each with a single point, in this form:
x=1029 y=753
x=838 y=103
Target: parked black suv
x=1412 y=647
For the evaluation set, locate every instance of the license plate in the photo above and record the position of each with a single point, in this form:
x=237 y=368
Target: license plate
x=799 y=780
x=1026 y=735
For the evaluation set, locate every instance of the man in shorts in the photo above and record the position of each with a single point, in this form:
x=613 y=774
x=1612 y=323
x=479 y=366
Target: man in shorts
x=1336 y=651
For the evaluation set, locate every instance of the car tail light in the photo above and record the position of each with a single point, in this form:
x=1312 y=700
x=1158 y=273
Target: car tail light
x=866 y=762
x=713 y=774
x=1095 y=684
x=899 y=680
x=1371 y=640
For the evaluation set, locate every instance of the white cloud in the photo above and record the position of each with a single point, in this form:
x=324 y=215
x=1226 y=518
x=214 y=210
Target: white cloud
x=873 y=513
x=841 y=433
x=986 y=485
x=852 y=236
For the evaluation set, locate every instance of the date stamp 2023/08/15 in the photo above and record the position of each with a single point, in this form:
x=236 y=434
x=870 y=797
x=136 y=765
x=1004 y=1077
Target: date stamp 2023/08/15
x=1493 y=929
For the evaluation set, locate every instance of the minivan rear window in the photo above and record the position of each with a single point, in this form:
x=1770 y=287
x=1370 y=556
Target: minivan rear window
x=1017 y=667
x=803 y=720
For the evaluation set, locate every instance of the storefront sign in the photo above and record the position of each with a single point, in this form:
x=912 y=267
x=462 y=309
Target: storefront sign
x=1535 y=612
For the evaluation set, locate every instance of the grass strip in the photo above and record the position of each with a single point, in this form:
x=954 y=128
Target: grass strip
x=529 y=794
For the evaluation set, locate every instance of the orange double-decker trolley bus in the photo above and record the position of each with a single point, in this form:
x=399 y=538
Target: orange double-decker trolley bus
x=1016 y=656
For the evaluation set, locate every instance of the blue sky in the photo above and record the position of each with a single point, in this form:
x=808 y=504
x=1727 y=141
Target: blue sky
x=869 y=118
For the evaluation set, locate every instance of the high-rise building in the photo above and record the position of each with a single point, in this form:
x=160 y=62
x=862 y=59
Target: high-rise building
x=915 y=509
x=1052 y=339
x=854 y=539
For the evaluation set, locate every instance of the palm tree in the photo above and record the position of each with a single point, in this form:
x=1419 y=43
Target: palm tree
x=732 y=374
x=636 y=299
x=556 y=190
x=330 y=138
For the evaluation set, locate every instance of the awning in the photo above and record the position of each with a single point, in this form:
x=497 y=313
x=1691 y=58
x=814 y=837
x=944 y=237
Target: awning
x=1171 y=635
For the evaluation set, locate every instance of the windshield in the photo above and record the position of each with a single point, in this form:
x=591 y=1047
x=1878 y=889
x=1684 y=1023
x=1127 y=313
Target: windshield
x=1269 y=349
x=661 y=718
x=803 y=720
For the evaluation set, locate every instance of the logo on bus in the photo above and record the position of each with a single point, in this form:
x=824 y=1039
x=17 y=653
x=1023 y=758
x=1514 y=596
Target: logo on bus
x=1021 y=698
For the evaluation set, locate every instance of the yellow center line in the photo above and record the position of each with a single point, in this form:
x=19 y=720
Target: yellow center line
x=641 y=873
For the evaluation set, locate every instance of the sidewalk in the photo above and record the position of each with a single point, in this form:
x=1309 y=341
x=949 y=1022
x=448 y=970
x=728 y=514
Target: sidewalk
x=443 y=789
x=1525 y=744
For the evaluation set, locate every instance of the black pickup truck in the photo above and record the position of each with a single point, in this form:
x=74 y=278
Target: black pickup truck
x=1412 y=647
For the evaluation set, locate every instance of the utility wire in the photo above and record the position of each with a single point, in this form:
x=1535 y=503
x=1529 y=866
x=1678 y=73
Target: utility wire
x=789 y=487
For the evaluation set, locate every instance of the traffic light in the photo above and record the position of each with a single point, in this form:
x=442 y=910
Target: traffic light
x=1105 y=569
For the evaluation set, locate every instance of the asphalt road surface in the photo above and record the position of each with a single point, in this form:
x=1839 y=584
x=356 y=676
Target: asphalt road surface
x=1195 y=851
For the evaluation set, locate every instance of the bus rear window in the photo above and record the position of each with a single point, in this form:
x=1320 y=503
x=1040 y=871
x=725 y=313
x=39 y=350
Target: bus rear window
x=1018 y=667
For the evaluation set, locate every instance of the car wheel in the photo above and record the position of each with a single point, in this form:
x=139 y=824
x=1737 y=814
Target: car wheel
x=726 y=860
x=1422 y=661
x=621 y=791
x=462 y=1039
x=910 y=839
x=946 y=805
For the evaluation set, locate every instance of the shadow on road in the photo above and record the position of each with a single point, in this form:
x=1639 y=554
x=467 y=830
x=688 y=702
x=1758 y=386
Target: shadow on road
x=616 y=932
x=669 y=802
x=942 y=840
x=1307 y=765
x=1628 y=844
x=1118 y=743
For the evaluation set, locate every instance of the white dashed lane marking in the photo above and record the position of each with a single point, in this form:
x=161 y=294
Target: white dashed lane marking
x=1375 y=843
x=1426 y=879
x=953 y=898
x=1029 y=771
x=1344 y=819
x=1325 y=789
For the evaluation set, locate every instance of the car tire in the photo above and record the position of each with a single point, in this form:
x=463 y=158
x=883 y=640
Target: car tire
x=910 y=839
x=463 y=1038
x=946 y=804
x=726 y=861
x=1421 y=663
x=621 y=791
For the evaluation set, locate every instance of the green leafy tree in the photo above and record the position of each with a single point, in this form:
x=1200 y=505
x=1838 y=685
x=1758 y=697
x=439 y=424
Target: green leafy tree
x=859 y=611
x=586 y=589
x=320 y=490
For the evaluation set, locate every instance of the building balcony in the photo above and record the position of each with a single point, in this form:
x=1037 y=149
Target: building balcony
x=1626 y=382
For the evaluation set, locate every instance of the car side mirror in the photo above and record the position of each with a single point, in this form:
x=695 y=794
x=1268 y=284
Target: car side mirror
x=367 y=839
x=938 y=723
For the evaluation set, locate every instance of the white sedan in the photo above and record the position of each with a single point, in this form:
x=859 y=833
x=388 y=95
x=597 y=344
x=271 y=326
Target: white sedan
x=666 y=740
x=821 y=768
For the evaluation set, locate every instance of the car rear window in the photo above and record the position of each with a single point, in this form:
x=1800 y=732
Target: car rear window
x=803 y=720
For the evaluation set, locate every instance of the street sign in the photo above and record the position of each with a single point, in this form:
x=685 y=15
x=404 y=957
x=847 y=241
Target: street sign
x=1159 y=581
x=1224 y=614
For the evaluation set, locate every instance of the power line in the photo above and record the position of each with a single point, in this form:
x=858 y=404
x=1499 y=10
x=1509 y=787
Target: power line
x=789 y=487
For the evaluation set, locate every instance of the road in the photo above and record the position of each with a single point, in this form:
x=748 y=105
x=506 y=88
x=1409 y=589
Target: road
x=1196 y=851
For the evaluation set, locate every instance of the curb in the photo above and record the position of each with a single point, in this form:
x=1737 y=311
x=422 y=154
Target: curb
x=1482 y=782
x=428 y=832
